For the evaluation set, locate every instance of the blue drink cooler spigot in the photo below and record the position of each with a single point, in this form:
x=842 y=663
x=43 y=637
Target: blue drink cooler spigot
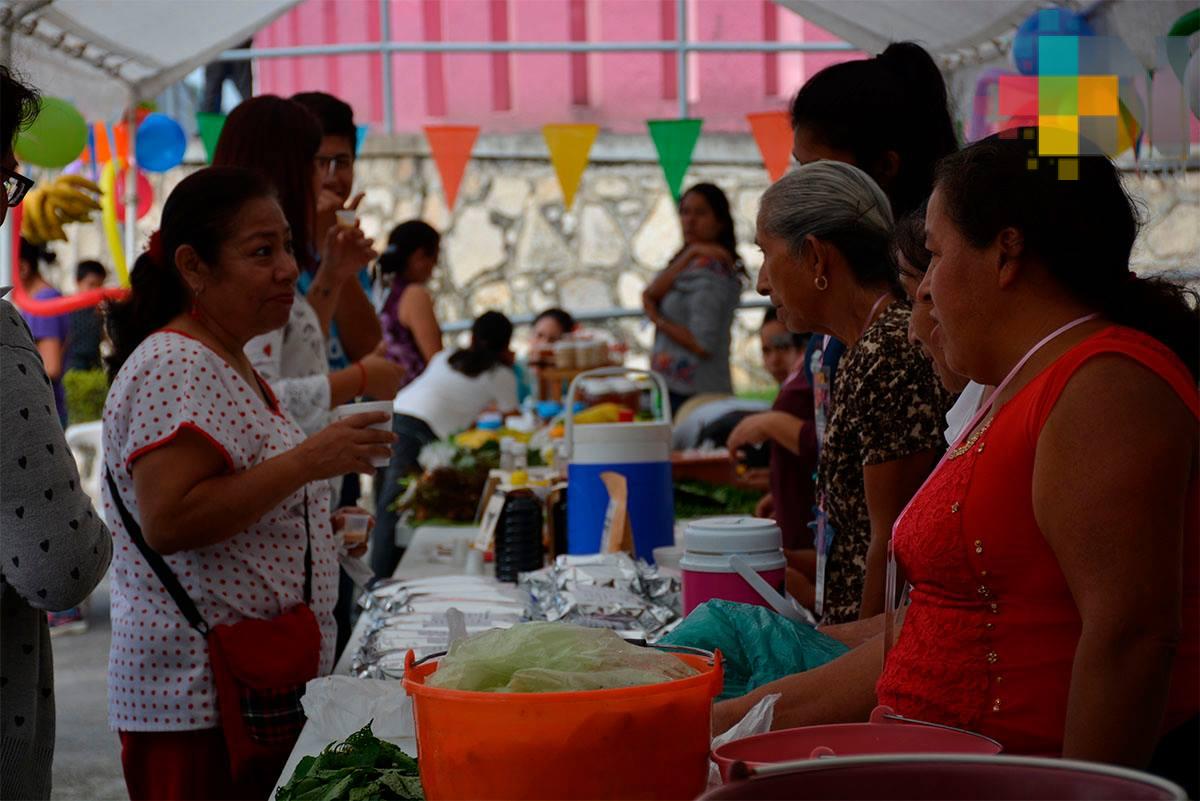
x=639 y=451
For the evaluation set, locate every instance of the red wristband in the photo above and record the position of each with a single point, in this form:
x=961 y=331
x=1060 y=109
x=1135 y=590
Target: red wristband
x=362 y=384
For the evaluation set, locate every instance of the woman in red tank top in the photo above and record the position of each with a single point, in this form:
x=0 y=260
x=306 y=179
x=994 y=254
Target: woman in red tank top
x=1054 y=553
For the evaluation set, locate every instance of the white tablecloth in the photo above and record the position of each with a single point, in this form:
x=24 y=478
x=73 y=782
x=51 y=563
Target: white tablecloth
x=421 y=559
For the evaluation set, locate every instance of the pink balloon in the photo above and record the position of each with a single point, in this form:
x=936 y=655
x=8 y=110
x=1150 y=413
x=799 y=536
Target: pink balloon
x=145 y=195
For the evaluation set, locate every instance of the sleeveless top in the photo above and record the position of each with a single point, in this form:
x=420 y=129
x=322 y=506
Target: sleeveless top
x=400 y=346
x=989 y=640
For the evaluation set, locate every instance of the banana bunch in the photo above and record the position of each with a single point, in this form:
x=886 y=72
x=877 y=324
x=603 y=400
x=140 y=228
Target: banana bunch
x=70 y=198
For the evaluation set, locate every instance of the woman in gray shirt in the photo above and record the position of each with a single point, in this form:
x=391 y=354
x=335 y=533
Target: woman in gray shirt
x=54 y=549
x=692 y=301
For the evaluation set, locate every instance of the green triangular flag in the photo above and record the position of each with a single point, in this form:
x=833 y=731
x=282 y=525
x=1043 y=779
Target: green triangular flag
x=209 y=126
x=675 y=140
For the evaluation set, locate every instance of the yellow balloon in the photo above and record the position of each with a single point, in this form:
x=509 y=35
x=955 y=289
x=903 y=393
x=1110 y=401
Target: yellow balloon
x=108 y=213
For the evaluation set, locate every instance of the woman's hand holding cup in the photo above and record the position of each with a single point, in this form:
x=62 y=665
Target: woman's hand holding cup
x=353 y=444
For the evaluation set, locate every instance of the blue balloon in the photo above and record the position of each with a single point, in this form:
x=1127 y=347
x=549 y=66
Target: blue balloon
x=1046 y=22
x=160 y=143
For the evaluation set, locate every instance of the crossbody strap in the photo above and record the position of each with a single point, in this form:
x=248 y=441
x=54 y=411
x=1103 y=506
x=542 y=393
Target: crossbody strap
x=307 y=553
x=170 y=582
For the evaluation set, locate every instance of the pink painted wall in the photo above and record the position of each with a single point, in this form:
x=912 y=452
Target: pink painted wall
x=517 y=92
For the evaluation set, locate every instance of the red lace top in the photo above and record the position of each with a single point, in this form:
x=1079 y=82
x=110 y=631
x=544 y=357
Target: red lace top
x=989 y=640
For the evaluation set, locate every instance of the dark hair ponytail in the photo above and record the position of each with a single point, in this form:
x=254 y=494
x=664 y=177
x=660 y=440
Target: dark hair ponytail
x=200 y=212
x=407 y=238
x=490 y=334
x=1083 y=230
x=896 y=101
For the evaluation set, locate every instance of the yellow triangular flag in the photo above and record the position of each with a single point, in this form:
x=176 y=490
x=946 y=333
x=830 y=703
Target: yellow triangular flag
x=569 y=146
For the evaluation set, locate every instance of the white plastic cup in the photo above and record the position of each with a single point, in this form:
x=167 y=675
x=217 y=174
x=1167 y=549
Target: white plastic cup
x=366 y=407
x=354 y=529
x=347 y=218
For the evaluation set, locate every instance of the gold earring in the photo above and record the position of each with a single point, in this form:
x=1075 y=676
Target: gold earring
x=821 y=283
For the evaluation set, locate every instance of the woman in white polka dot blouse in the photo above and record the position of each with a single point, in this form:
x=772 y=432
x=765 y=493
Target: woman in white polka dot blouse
x=214 y=473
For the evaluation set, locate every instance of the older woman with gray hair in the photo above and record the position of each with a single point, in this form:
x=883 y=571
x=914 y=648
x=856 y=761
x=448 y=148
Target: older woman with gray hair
x=824 y=230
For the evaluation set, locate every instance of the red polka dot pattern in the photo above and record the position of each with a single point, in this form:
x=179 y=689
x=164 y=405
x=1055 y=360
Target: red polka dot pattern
x=159 y=677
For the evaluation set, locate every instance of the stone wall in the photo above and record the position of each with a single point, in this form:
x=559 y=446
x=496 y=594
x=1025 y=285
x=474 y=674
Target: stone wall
x=510 y=245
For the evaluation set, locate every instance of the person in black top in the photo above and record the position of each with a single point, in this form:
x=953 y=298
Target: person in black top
x=86 y=327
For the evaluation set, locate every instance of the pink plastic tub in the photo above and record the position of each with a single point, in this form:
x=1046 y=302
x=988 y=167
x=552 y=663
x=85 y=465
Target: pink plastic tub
x=887 y=733
x=944 y=777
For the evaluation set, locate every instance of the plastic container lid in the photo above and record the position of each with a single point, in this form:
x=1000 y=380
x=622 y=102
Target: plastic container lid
x=548 y=408
x=725 y=535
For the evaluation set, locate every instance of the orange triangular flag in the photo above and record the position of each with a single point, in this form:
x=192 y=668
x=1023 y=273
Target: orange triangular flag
x=451 y=146
x=773 y=132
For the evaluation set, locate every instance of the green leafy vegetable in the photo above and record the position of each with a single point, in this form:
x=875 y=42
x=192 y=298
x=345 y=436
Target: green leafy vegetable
x=361 y=768
x=701 y=499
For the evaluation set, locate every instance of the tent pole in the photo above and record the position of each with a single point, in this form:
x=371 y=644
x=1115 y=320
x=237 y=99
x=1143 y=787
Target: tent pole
x=131 y=198
x=681 y=56
x=385 y=27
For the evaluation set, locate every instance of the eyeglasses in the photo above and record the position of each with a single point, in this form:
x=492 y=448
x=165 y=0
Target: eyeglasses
x=16 y=186
x=328 y=165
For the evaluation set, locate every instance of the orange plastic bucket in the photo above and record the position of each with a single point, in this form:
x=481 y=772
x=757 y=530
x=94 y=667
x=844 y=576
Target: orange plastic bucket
x=635 y=742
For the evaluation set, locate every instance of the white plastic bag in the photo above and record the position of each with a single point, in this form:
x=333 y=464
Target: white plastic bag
x=757 y=721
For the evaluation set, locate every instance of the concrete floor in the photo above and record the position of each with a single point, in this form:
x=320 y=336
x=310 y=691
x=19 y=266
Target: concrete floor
x=87 y=756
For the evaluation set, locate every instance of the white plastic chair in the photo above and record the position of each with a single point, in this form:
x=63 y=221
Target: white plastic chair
x=85 y=442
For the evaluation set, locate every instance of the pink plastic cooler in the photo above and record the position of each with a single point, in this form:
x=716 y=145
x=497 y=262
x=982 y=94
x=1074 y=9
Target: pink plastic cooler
x=710 y=543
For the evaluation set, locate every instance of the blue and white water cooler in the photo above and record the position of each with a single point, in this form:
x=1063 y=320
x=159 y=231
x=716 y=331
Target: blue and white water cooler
x=639 y=451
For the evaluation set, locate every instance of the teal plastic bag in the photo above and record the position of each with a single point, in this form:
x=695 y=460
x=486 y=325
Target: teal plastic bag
x=757 y=645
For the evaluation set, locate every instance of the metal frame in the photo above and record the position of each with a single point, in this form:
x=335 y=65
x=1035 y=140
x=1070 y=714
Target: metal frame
x=681 y=46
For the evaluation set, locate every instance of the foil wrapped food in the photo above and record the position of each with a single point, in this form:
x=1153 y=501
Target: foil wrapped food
x=414 y=615
x=612 y=591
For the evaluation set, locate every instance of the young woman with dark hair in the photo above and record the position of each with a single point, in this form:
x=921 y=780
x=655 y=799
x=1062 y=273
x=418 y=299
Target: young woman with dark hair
x=222 y=484
x=1054 y=555
x=548 y=327
x=50 y=332
x=447 y=397
x=692 y=301
x=888 y=115
x=279 y=139
x=411 y=334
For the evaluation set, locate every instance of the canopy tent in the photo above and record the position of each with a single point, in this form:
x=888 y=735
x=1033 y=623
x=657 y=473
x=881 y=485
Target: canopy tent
x=967 y=34
x=972 y=39
x=105 y=57
x=100 y=55
x=950 y=29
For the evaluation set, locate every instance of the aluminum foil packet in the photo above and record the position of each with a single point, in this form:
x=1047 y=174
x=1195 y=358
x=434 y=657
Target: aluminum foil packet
x=611 y=591
x=413 y=614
